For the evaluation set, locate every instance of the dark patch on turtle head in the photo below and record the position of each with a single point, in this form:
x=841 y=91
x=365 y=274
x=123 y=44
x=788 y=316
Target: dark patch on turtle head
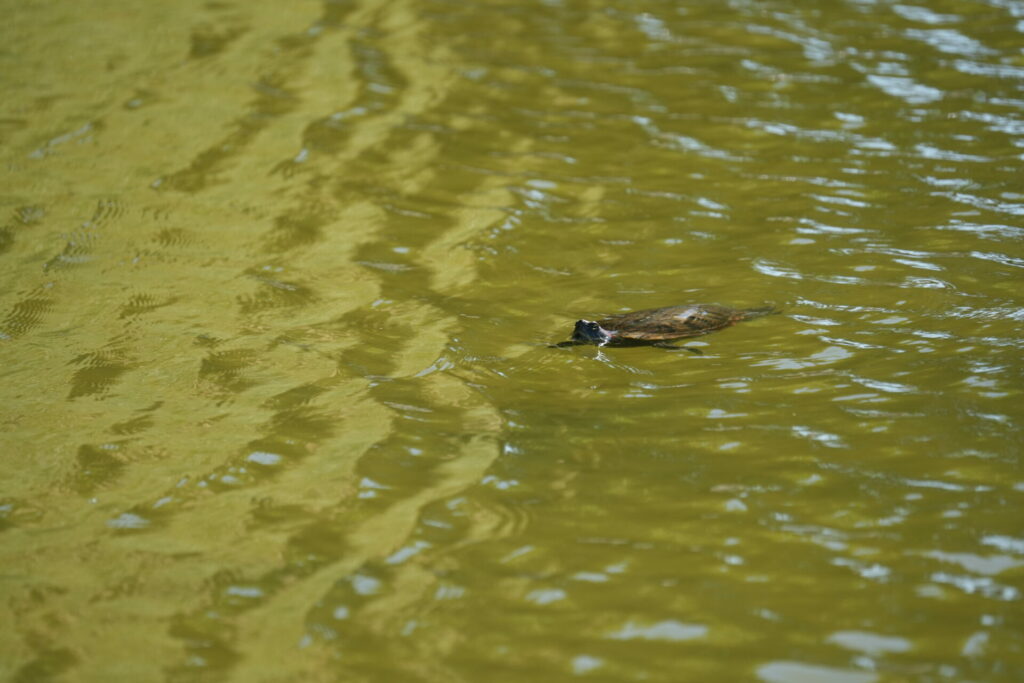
x=589 y=332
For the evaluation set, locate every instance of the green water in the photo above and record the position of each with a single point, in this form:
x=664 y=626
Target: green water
x=278 y=283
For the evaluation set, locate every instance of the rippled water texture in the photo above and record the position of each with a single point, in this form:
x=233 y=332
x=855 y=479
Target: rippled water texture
x=279 y=283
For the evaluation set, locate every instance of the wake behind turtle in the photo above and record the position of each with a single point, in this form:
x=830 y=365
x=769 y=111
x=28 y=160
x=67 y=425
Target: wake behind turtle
x=659 y=326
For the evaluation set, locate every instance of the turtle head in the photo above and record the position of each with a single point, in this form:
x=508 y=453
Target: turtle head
x=589 y=332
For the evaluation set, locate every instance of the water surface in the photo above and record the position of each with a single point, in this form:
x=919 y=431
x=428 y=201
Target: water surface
x=278 y=284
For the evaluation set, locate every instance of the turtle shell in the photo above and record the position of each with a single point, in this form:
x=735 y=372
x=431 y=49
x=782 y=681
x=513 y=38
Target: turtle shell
x=675 y=322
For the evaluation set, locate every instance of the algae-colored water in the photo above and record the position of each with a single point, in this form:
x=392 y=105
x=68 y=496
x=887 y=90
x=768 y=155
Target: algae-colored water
x=278 y=283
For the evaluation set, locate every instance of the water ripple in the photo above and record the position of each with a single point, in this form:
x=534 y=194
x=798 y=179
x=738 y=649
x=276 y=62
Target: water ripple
x=299 y=390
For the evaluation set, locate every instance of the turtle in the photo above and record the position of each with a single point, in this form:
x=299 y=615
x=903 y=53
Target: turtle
x=659 y=326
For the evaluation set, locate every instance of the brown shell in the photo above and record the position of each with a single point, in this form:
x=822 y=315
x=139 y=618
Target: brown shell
x=676 y=322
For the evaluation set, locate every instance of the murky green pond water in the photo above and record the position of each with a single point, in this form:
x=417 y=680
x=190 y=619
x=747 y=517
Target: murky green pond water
x=278 y=283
